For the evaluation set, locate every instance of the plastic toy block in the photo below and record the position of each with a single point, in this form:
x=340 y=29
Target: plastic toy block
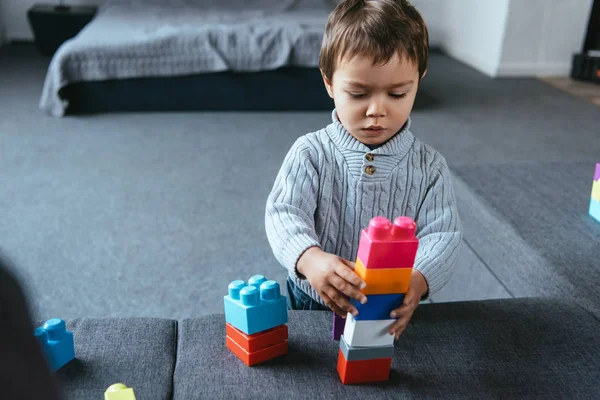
x=119 y=391
x=365 y=353
x=258 y=341
x=256 y=306
x=257 y=357
x=378 y=306
x=595 y=209
x=383 y=281
x=338 y=327
x=362 y=371
x=597 y=172
x=57 y=343
x=596 y=190
x=368 y=333
x=387 y=245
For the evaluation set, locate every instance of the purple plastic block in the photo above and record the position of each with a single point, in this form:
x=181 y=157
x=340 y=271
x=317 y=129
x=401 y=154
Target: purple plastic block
x=597 y=174
x=338 y=326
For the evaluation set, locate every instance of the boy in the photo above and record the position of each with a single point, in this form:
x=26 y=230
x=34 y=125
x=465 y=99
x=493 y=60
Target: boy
x=364 y=164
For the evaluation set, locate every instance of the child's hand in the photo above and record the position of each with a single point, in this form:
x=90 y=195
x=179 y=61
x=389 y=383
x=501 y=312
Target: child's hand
x=418 y=287
x=332 y=277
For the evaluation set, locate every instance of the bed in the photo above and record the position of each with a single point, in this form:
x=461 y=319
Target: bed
x=155 y=55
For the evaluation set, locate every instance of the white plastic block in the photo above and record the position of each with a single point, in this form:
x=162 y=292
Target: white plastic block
x=368 y=333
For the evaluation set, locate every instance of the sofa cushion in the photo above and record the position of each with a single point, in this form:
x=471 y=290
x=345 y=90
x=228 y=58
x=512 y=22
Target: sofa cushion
x=485 y=349
x=139 y=352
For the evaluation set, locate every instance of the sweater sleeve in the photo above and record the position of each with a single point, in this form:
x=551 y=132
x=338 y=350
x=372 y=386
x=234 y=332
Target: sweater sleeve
x=291 y=206
x=439 y=230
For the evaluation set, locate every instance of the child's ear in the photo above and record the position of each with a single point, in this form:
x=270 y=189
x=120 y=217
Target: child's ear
x=424 y=73
x=328 y=85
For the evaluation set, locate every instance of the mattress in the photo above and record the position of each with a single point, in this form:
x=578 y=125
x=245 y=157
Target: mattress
x=162 y=38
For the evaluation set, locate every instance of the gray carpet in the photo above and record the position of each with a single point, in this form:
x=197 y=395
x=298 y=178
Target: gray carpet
x=153 y=214
x=546 y=205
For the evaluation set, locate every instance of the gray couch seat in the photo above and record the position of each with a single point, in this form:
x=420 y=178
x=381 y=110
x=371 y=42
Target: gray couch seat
x=139 y=352
x=488 y=349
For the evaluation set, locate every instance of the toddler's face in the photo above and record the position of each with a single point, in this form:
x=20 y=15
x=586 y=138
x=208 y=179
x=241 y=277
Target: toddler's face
x=373 y=101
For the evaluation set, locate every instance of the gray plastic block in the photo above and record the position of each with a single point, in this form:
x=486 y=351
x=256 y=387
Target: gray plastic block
x=365 y=353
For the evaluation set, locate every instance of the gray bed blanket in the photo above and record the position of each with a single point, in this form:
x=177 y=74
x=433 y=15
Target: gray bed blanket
x=161 y=38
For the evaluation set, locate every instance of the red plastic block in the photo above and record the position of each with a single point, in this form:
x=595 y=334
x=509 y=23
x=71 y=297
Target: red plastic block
x=257 y=341
x=362 y=371
x=384 y=245
x=259 y=356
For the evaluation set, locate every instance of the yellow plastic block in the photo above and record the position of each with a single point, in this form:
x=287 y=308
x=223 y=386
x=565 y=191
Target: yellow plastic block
x=118 y=391
x=384 y=280
x=596 y=190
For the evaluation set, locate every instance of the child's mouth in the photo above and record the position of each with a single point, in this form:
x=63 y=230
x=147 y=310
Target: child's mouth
x=374 y=129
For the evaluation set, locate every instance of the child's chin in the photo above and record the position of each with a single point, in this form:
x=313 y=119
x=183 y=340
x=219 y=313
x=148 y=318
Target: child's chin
x=372 y=139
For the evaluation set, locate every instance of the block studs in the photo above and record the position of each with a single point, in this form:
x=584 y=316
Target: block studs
x=269 y=290
x=256 y=280
x=235 y=287
x=56 y=328
x=250 y=296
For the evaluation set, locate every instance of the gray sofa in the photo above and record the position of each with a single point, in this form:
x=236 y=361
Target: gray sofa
x=513 y=348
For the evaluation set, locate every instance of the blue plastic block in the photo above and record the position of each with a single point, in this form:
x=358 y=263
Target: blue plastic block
x=595 y=209
x=255 y=306
x=378 y=306
x=57 y=343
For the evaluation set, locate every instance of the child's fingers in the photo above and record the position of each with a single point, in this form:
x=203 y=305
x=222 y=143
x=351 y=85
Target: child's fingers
x=332 y=305
x=398 y=327
x=340 y=301
x=346 y=287
x=343 y=270
x=401 y=312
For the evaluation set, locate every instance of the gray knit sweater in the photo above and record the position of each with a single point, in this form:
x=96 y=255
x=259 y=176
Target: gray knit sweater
x=324 y=196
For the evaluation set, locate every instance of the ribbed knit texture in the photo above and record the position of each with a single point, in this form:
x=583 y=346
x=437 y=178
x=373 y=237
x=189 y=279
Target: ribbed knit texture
x=324 y=197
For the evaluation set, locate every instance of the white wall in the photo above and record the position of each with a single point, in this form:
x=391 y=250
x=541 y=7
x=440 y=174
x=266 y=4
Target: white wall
x=431 y=12
x=473 y=31
x=542 y=35
x=513 y=37
x=15 y=16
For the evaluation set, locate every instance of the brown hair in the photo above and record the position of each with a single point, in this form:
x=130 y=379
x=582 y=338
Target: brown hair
x=376 y=28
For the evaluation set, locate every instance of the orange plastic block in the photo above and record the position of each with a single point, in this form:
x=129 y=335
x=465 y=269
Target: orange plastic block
x=361 y=371
x=257 y=341
x=257 y=357
x=383 y=281
x=387 y=245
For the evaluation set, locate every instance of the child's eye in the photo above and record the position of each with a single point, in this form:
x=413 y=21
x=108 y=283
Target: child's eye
x=398 y=96
x=356 y=95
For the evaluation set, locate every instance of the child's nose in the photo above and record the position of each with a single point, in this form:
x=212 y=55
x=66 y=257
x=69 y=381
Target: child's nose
x=376 y=108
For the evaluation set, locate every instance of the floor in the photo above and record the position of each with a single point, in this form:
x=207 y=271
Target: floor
x=131 y=214
x=589 y=91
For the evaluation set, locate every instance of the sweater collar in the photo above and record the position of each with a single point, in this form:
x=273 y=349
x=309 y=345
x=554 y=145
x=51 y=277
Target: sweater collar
x=398 y=145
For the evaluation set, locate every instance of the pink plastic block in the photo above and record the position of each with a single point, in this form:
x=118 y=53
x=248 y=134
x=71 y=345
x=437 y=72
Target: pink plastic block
x=384 y=245
x=597 y=174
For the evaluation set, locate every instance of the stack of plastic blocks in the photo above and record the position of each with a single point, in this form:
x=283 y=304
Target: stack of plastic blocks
x=595 y=201
x=385 y=259
x=256 y=318
x=119 y=391
x=56 y=342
